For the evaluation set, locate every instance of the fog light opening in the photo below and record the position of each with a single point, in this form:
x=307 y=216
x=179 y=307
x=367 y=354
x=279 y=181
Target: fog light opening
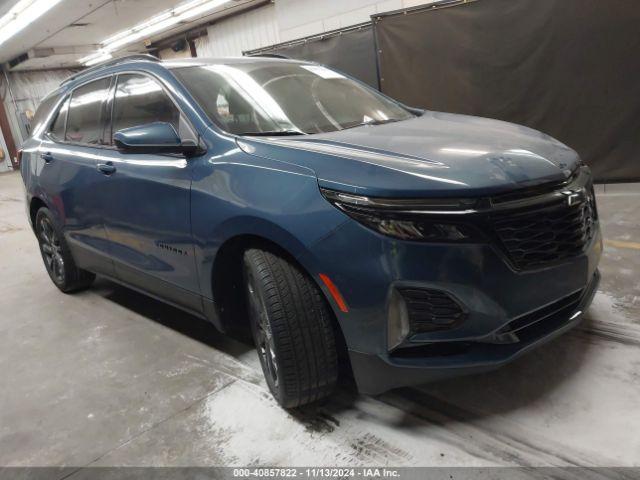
x=398 y=327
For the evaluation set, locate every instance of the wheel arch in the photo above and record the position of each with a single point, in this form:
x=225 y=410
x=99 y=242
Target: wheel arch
x=35 y=204
x=227 y=284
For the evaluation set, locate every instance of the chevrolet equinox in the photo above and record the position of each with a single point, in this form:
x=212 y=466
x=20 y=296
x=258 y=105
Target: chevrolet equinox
x=330 y=219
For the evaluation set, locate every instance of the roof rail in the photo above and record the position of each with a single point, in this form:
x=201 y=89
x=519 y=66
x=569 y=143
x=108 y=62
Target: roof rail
x=269 y=55
x=111 y=63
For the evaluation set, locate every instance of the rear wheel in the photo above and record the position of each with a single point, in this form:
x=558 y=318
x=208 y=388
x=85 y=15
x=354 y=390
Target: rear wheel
x=57 y=257
x=292 y=329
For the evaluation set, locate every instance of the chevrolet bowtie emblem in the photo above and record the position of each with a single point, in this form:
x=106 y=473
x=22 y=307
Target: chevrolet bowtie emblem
x=574 y=197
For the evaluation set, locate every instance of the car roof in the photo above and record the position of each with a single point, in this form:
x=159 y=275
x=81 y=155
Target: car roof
x=199 y=62
x=141 y=61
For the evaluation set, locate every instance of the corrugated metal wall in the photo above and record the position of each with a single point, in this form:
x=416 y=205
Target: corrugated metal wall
x=247 y=31
x=169 y=54
x=28 y=88
x=302 y=18
x=5 y=163
x=287 y=20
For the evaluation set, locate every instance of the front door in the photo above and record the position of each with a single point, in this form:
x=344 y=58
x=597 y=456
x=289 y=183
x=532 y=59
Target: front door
x=146 y=201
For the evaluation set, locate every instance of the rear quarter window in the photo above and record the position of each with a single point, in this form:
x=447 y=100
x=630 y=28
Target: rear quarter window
x=42 y=112
x=57 y=128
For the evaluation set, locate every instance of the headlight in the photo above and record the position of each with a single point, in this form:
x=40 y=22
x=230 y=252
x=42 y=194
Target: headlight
x=409 y=219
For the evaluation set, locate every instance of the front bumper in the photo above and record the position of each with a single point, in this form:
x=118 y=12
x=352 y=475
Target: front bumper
x=375 y=374
x=498 y=296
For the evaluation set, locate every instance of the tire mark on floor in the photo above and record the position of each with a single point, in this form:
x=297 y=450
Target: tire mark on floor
x=627 y=334
x=513 y=449
x=373 y=449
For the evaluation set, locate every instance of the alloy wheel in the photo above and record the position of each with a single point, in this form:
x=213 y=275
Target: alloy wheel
x=263 y=334
x=51 y=250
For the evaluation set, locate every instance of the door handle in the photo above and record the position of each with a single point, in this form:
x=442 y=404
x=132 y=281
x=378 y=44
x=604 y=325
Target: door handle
x=107 y=168
x=47 y=157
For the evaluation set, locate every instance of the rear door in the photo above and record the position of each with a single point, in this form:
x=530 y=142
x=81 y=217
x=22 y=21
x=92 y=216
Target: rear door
x=146 y=204
x=67 y=175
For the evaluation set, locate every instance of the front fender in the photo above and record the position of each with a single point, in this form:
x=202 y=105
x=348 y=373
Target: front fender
x=249 y=195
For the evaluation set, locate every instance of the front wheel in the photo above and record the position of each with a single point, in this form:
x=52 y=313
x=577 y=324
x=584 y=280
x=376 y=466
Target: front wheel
x=56 y=255
x=292 y=329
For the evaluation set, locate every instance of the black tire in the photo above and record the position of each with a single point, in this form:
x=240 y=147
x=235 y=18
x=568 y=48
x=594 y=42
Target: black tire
x=292 y=328
x=57 y=257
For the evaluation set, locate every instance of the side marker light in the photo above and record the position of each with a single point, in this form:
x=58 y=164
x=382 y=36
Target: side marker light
x=335 y=293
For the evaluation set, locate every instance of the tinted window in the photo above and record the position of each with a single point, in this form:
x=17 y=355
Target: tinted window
x=42 y=112
x=86 y=112
x=265 y=97
x=57 y=129
x=141 y=100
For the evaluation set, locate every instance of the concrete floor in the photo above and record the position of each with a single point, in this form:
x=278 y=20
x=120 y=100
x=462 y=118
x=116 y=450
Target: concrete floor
x=109 y=377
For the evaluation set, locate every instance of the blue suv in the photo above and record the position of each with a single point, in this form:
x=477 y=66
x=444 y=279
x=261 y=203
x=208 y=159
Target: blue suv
x=339 y=225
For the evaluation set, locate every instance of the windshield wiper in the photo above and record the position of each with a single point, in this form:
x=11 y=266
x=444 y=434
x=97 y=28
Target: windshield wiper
x=273 y=133
x=375 y=122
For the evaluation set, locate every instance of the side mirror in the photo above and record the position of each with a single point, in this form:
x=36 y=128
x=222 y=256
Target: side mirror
x=157 y=137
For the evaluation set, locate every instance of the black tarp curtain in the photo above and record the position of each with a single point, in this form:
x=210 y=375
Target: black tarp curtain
x=570 y=68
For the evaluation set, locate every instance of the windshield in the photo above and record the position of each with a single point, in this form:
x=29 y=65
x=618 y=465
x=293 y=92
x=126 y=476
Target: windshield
x=279 y=98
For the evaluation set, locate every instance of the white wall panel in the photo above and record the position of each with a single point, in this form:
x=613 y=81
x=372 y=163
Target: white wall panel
x=169 y=54
x=286 y=20
x=5 y=163
x=28 y=89
x=301 y=18
x=33 y=86
x=227 y=38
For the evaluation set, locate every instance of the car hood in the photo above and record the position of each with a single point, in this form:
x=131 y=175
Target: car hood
x=437 y=154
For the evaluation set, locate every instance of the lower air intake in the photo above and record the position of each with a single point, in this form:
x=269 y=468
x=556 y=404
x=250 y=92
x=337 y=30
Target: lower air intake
x=431 y=310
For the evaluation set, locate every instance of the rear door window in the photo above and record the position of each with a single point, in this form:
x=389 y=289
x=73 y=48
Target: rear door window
x=140 y=100
x=86 y=113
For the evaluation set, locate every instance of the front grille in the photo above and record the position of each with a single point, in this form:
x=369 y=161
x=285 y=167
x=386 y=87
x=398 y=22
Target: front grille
x=531 y=192
x=430 y=310
x=538 y=235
